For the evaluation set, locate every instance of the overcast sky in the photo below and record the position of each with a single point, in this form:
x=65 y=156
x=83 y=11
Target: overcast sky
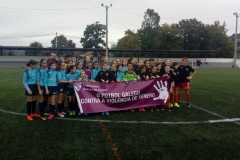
x=24 y=21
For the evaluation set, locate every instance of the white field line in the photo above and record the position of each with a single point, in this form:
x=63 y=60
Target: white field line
x=227 y=120
x=213 y=113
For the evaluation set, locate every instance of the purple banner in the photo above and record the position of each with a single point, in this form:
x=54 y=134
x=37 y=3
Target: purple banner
x=95 y=97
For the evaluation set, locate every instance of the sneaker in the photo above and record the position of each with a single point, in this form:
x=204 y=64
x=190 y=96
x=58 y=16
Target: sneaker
x=176 y=105
x=141 y=110
x=158 y=110
x=43 y=118
x=64 y=113
x=73 y=113
x=45 y=114
x=61 y=115
x=79 y=115
x=189 y=105
x=36 y=115
x=29 y=118
x=51 y=117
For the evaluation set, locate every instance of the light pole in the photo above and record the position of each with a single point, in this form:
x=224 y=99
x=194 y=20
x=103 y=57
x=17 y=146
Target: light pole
x=106 y=7
x=56 y=43
x=56 y=40
x=236 y=41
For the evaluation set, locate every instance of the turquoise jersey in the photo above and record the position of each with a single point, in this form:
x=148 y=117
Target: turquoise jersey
x=79 y=71
x=42 y=77
x=94 y=73
x=30 y=77
x=124 y=69
x=120 y=75
x=62 y=75
x=73 y=76
x=52 y=78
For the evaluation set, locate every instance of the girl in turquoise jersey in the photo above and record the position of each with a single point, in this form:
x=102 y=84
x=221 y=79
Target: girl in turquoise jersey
x=42 y=99
x=30 y=86
x=71 y=77
x=62 y=88
x=120 y=73
x=52 y=89
x=94 y=71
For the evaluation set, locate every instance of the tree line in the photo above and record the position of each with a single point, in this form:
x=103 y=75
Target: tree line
x=187 y=34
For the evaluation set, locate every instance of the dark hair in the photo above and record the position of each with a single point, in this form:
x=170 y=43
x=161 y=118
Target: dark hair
x=70 y=68
x=130 y=60
x=142 y=66
x=78 y=63
x=174 y=64
x=31 y=62
x=42 y=60
x=52 y=64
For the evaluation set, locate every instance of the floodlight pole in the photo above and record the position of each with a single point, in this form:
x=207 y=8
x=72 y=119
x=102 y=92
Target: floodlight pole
x=107 y=9
x=236 y=41
x=56 y=40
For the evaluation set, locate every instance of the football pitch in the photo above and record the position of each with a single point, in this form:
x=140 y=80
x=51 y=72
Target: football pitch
x=210 y=130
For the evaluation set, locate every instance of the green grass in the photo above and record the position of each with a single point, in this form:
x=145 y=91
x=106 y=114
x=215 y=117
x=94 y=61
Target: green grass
x=214 y=89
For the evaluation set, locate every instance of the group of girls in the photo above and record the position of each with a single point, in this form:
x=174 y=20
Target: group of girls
x=49 y=88
x=49 y=85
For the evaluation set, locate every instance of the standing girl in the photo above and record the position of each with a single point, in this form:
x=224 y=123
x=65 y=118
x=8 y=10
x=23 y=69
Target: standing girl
x=61 y=88
x=30 y=85
x=72 y=76
x=42 y=75
x=52 y=89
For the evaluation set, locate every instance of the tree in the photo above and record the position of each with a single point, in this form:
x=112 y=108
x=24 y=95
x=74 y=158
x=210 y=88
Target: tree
x=131 y=40
x=62 y=42
x=218 y=39
x=151 y=20
x=170 y=39
x=36 y=45
x=193 y=33
x=94 y=36
x=34 y=52
x=150 y=30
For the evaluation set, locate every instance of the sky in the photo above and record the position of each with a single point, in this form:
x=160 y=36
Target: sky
x=25 y=21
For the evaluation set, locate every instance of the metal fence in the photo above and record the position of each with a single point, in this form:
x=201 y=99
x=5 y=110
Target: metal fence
x=136 y=53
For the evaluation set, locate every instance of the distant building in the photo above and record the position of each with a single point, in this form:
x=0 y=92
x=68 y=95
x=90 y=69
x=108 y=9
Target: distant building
x=13 y=53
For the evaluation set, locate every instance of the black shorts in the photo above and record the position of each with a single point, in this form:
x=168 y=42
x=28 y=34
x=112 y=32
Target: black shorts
x=53 y=90
x=33 y=88
x=62 y=88
x=70 y=90
x=43 y=91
